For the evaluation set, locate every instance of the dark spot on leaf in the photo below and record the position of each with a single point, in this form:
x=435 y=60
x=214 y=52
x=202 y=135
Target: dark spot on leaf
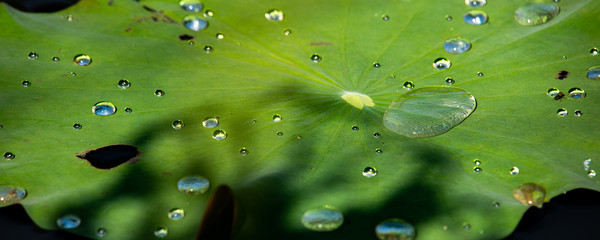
x=128 y=29
x=562 y=75
x=320 y=43
x=185 y=37
x=219 y=216
x=110 y=3
x=158 y=15
x=559 y=96
x=110 y=156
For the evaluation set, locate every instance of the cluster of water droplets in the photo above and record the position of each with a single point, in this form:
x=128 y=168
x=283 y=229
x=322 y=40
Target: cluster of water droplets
x=591 y=173
x=193 y=21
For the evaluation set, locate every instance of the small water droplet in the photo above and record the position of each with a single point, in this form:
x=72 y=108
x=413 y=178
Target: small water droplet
x=408 y=85
x=441 y=63
x=578 y=113
x=376 y=65
x=449 y=81
x=77 y=126
x=209 y=13
x=210 y=122
x=591 y=173
x=191 y=42
x=475 y=3
x=159 y=93
x=101 y=232
x=280 y=134
x=467 y=226
x=477 y=169
x=354 y=128
x=593 y=73
x=128 y=110
x=475 y=17
x=193 y=185
x=243 y=151
x=161 y=232
x=220 y=36
x=376 y=135
x=514 y=171
x=68 y=221
x=277 y=118
x=287 y=32
x=69 y=18
x=104 y=108
x=594 y=51
x=480 y=74
x=448 y=18
x=124 y=84
x=457 y=45
x=576 y=93
x=562 y=112
x=208 y=49
x=395 y=229
x=587 y=161
x=564 y=57
x=176 y=214
x=477 y=162
x=369 y=172
x=274 y=15
x=385 y=17
x=191 y=5
x=33 y=56
x=177 y=124
x=530 y=194
x=378 y=150
x=315 y=58
x=82 y=60
x=194 y=23
x=552 y=92
x=532 y=14
x=496 y=204
x=219 y=135
x=392 y=76
x=73 y=74
x=10 y=195
x=55 y=59
x=26 y=83
x=322 y=219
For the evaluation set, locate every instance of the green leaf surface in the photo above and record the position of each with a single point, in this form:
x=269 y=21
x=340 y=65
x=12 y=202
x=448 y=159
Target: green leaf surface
x=312 y=157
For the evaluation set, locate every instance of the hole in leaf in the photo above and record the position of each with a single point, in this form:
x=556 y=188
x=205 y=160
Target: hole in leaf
x=110 y=156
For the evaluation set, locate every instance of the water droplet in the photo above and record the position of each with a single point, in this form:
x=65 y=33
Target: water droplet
x=274 y=15
x=322 y=219
x=530 y=194
x=532 y=14
x=68 y=221
x=104 y=109
x=378 y=150
x=594 y=51
x=287 y=32
x=428 y=111
x=177 y=124
x=395 y=229
x=194 y=23
x=219 y=135
x=477 y=169
x=562 y=112
x=101 y=232
x=552 y=92
x=315 y=58
x=210 y=122
x=475 y=17
x=376 y=135
x=475 y=3
x=448 y=18
x=456 y=45
x=55 y=59
x=496 y=204
x=593 y=73
x=449 y=81
x=69 y=18
x=354 y=128
x=77 y=126
x=408 y=85
x=576 y=93
x=467 y=226
x=277 y=118
x=385 y=17
x=82 y=60
x=369 y=172
x=124 y=84
x=161 y=232
x=193 y=185
x=514 y=171
x=176 y=214
x=220 y=36
x=477 y=162
x=208 y=49
x=376 y=65
x=26 y=83
x=578 y=113
x=191 y=42
x=243 y=151
x=280 y=134
x=33 y=56
x=480 y=74
x=209 y=13
x=591 y=173
x=564 y=57
x=10 y=195
x=73 y=74
x=587 y=161
x=191 y=5
x=128 y=110
x=441 y=63
x=159 y=93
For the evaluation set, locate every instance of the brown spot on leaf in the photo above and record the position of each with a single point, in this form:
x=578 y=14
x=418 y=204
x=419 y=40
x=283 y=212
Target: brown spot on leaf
x=185 y=37
x=562 y=75
x=110 y=156
x=320 y=43
x=219 y=216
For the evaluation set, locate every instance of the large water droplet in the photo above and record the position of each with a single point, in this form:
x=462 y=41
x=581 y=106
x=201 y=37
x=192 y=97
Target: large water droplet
x=104 y=109
x=274 y=15
x=191 y=5
x=456 y=45
x=33 y=56
x=441 y=63
x=194 y=23
x=219 y=134
x=562 y=112
x=475 y=3
x=177 y=124
x=395 y=229
x=193 y=185
x=82 y=60
x=69 y=221
x=161 y=232
x=9 y=156
x=530 y=194
x=532 y=14
x=176 y=214
x=514 y=171
x=11 y=195
x=322 y=219
x=315 y=58
x=428 y=111
x=277 y=118
x=210 y=122
x=475 y=17
x=593 y=73
x=576 y=93
x=124 y=84
x=369 y=172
